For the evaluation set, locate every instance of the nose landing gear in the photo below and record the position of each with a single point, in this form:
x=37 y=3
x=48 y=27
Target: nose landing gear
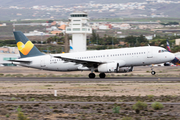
x=152 y=71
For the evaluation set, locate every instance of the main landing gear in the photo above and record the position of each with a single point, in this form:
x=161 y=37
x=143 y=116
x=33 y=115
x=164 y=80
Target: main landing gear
x=152 y=71
x=92 y=75
x=101 y=75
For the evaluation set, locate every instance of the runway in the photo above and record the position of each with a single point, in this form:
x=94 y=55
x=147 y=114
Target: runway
x=133 y=79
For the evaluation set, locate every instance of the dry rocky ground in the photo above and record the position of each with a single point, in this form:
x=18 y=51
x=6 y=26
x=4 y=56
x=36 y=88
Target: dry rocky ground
x=166 y=92
x=143 y=71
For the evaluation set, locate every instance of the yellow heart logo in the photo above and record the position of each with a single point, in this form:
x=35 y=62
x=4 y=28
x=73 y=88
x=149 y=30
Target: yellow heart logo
x=25 y=49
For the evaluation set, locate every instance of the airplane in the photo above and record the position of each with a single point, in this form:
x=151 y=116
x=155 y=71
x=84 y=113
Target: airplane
x=176 y=60
x=103 y=61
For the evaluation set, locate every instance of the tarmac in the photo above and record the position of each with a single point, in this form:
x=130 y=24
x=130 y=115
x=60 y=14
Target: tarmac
x=65 y=79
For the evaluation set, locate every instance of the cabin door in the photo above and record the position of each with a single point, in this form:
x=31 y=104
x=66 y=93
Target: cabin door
x=43 y=62
x=149 y=52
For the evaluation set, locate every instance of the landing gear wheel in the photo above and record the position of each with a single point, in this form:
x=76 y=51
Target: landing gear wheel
x=153 y=72
x=102 y=75
x=92 y=75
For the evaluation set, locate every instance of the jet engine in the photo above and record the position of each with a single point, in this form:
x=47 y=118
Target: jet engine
x=113 y=68
x=108 y=67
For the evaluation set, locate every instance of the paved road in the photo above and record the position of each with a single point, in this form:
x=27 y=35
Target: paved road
x=137 y=79
x=56 y=102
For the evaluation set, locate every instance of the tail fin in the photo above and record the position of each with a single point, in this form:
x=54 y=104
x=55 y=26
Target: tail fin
x=71 y=46
x=168 y=47
x=25 y=46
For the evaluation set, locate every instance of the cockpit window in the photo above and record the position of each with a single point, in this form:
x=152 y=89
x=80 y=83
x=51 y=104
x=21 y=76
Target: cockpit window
x=161 y=51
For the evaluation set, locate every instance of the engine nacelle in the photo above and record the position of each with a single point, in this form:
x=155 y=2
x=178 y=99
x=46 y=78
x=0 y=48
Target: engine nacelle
x=125 y=69
x=108 y=67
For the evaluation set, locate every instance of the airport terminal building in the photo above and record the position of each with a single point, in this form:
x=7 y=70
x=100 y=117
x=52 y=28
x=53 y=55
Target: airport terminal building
x=8 y=53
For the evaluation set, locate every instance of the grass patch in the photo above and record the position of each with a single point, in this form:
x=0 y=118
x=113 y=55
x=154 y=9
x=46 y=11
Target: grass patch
x=48 y=85
x=127 y=118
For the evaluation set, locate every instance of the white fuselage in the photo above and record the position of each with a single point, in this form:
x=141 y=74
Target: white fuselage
x=136 y=56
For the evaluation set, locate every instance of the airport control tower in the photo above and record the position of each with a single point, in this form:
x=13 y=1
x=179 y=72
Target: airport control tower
x=79 y=28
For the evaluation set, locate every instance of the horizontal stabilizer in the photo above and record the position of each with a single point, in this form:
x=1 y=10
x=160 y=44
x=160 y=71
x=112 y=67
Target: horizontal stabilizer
x=21 y=61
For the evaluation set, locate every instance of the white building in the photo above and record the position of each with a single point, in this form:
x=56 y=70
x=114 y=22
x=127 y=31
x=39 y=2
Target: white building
x=177 y=41
x=103 y=27
x=125 y=26
x=149 y=37
x=4 y=57
x=52 y=28
x=79 y=28
x=4 y=24
x=36 y=33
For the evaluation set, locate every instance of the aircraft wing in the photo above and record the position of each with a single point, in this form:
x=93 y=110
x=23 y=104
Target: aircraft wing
x=21 y=61
x=87 y=63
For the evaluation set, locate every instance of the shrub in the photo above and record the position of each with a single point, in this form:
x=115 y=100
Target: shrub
x=116 y=109
x=157 y=106
x=7 y=115
x=150 y=96
x=13 y=98
x=1 y=74
x=32 y=99
x=8 y=75
x=21 y=115
x=139 y=106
